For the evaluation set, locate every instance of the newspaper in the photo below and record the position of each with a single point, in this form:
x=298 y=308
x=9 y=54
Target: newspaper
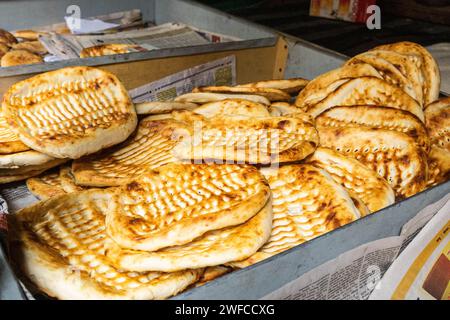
x=216 y=73
x=422 y=271
x=356 y=273
x=168 y=35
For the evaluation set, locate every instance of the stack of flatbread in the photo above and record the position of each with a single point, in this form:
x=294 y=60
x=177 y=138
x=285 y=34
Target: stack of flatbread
x=372 y=109
x=216 y=180
x=22 y=47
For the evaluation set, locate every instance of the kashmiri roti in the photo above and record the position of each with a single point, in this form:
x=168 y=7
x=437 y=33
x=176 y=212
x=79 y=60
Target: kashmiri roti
x=177 y=203
x=70 y=112
x=291 y=86
x=19 y=57
x=307 y=203
x=392 y=154
x=205 y=97
x=9 y=141
x=270 y=93
x=46 y=185
x=437 y=121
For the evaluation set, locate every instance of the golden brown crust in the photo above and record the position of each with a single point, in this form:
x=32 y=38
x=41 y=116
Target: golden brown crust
x=58 y=244
x=232 y=107
x=437 y=121
x=107 y=49
x=212 y=273
x=212 y=248
x=321 y=86
x=29 y=35
x=393 y=155
x=3 y=49
x=430 y=70
x=91 y=108
x=32 y=46
x=149 y=148
x=307 y=203
x=67 y=181
x=439 y=166
x=46 y=185
x=205 y=97
x=269 y=93
x=376 y=117
x=186 y=201
x=373 y=190
x=368 y=91
x=162 y=107
x=19 y=57
x=243 y=139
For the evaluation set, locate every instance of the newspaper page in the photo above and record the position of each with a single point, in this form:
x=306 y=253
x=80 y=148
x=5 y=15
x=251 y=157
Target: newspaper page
x=168 y=35
x=422 y=271
x=216 y=73
x=356 y=273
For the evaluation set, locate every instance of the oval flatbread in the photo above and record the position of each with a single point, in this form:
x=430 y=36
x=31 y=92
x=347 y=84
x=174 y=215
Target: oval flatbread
x=270 y=93
x=107 y=49
x=439 y=166
x=320 y=87
x=19 y=57
x=7 y=38
x=9 y=141
x=368 y=91
x=430 y=70
x=392 y=154
x=46 y=185
x=70 y=112
x=373 y=190
x=32 y=46
x=28 y=34
x=376 y=117
x=59 y=245
x=158 y=107
x=176 y=203
x=205 y=97
x=211 y=249
x=149 y=148
x=307 y=203
x=232 y=107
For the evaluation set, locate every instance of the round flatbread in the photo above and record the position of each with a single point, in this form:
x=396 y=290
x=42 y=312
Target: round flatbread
x=7 y=38
x=46 y=185
x=205 y=97
x=70 y=112
x=19 y=57
x=29 y=35
x=232 y=107
x=174 y=204
x=291 y=86
x=437 y=121
x=32 y=46
x=159 y=107
x=269 y=93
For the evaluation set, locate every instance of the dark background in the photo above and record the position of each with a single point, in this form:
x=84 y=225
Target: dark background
x=422 y=21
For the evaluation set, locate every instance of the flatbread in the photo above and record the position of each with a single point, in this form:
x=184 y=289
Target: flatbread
x=25 y=172
x=244 y=139
x=19 y=57
x=7 y=38
x=439 y=165
x=35 y=47
x=291 y=86
x=373 y=190
x=46 y=185
x=58 y=245
x=67 y=181
x=307 y=203
x=393 y=67
x=232 y=107
x=205 y=97
x=392 y=154
x=270 y=93
x=280 y=109
x=9 y=141
x=368 y=91
x=320 y=87
x=430 y=70
x=28 y=34
x=107 y=49
x=149 y=148
x=158 y=107
x=70 y=112
x=437 y=121
x=211 y=249
x=176 y=203
x=376 y=117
